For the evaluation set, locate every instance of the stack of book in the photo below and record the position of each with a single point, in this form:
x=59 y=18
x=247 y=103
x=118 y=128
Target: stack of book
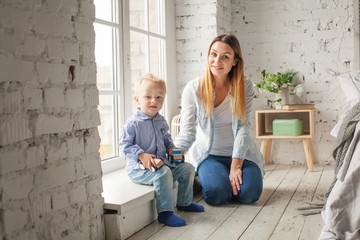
x=297 y=106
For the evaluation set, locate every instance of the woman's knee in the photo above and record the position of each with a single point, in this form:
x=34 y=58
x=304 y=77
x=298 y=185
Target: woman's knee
x=249 y=194
x=250 y=197
x=216 y=195
x=214 y=179
x=251 y=189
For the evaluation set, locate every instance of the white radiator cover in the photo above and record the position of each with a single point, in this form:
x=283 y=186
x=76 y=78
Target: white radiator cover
x=175 y=126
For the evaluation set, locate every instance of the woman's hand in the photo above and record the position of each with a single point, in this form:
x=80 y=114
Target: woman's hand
x=147 y=160
x=235 y=175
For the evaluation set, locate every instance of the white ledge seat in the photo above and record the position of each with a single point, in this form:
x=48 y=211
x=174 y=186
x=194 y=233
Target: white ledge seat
x=121 y=194
x=125 y=202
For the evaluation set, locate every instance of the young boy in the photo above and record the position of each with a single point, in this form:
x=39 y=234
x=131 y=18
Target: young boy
x=145 y=137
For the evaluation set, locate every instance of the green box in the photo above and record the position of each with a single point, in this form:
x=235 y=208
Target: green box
x=288 y=127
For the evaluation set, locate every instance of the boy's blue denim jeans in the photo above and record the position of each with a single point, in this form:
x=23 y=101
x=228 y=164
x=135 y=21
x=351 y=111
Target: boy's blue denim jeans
x=163 y=180
x=216 y=187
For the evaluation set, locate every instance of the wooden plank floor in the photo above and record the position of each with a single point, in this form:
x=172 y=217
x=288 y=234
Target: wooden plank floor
x=275 y=216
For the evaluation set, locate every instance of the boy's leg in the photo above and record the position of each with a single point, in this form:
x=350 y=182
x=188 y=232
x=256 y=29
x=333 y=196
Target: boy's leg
x=184 y=173
x=162 y=181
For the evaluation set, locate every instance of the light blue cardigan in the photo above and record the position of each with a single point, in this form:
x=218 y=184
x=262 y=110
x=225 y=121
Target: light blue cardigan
x=197 y=130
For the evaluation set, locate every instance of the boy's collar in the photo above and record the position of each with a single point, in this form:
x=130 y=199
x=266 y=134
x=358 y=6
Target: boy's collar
x=143 y=116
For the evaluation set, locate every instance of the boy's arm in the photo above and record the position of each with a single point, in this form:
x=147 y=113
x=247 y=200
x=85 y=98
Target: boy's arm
x=127 y=143
x=132 y=151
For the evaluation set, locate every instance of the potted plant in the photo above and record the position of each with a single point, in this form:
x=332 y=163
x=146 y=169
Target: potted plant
x=280 y=84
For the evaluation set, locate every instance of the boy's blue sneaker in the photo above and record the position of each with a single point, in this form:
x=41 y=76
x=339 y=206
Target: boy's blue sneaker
x=193 y=207
x=170 y=219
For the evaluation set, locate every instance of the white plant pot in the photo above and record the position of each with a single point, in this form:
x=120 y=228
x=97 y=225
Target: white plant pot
x=284 y=95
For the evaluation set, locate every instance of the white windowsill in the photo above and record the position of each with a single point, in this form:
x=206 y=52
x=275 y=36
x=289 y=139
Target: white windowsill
x=113 y=164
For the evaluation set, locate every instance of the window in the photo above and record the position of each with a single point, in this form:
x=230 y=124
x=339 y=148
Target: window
x=133 y=37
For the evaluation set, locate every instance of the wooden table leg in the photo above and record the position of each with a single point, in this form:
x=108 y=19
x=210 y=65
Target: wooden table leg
x=309 y=153
x=265 y=149
x=312 y=153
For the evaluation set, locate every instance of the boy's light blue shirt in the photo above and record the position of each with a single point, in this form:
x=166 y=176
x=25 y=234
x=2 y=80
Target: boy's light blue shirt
x=197 y=129
x=144 y=134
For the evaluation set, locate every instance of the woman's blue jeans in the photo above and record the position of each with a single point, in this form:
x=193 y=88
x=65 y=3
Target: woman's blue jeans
x=163 y=181
x=216 y=187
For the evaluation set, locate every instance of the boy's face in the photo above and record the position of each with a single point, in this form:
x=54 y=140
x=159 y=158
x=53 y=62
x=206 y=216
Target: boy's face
x=150 y=98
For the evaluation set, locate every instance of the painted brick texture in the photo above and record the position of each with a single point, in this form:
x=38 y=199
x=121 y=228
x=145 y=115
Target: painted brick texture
x=311 y=37
x=196 y=25
x=50 y=173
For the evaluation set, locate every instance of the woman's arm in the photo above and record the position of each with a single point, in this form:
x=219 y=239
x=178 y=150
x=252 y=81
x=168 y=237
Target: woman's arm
x=235 y=175
x=249 y=98
x=187 y=134
x=168 y=142
x=243 y=128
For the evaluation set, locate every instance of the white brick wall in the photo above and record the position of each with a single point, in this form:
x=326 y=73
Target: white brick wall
x=223 y=16
x=196 y=25
x=13 y=128
x=307 y=36
x=15 y=70
x=32 y=98
x=15 y=219
x=12 y=160
x=50 y=173
x=54 y=74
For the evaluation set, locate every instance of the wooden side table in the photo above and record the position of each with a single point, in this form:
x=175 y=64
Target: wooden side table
x=264 y=131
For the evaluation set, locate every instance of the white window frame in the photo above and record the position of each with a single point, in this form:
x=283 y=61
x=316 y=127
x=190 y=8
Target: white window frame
x=124 y=107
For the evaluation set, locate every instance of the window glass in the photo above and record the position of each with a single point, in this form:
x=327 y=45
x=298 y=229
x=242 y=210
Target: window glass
x=103 y=9
x=104 y=56
x=138 y=53
x=155 y=16
x=139 y=60
x=156 y=56
x=106 y=129
x=138 y=14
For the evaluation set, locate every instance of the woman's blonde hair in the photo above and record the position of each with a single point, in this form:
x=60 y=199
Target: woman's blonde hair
x=235 y=76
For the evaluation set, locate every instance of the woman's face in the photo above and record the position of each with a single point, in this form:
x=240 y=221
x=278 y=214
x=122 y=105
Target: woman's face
x=221 y=59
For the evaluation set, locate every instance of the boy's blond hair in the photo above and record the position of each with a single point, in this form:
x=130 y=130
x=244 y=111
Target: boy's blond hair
x=151 y=78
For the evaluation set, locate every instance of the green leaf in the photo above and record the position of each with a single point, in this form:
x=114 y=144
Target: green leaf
x=279 y=79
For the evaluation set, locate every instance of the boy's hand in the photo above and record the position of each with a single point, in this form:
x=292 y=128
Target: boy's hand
x=171 y=150
x=147 y=160
x=176 y=155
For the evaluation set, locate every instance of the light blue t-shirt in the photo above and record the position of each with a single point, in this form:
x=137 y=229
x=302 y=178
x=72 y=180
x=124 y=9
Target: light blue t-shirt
x=223 y=139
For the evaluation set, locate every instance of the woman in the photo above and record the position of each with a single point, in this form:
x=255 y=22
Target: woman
x=215 y=128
